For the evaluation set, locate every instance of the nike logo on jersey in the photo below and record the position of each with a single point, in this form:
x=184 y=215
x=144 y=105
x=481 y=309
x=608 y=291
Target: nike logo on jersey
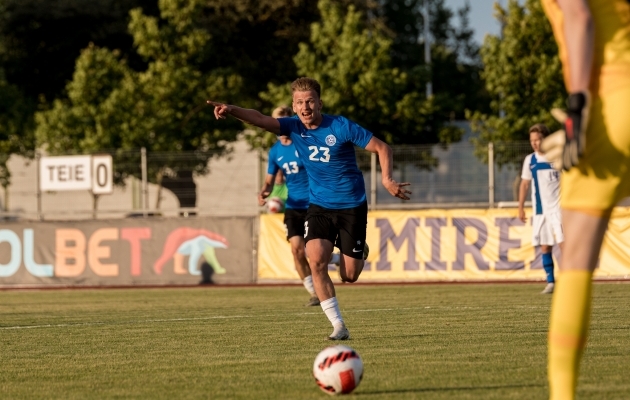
x=356 y=251
x=303 y=135
x=280 y=158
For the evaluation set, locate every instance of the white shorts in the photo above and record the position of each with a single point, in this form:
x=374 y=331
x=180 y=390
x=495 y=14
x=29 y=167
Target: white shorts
x=547 y=229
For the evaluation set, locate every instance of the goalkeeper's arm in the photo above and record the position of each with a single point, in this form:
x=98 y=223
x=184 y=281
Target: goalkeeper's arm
x=564 y=148
x=579 y=38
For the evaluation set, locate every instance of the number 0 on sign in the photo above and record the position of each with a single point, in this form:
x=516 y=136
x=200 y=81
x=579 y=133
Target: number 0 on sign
x=102 y=174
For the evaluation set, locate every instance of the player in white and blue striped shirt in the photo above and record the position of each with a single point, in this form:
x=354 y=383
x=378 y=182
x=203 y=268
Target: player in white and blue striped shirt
x=546 y=219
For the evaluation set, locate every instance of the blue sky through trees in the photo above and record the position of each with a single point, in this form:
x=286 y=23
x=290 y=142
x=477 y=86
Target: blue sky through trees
x=481 y=19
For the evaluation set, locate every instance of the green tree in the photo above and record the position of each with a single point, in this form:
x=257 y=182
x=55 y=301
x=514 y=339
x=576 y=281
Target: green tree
x=16 y=127
x=353 y=64
x=523 y=76
x=16 y=116
x=42 y=39
x=255 y=38
x=111 y=106
x=258 y=38
x=39 y=42
x=455 y=64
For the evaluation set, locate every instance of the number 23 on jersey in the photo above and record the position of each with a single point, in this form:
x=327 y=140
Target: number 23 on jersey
x=319 y=153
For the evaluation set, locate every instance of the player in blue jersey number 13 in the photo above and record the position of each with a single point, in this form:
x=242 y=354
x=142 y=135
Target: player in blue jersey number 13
x=337 y=212
x=284 y=159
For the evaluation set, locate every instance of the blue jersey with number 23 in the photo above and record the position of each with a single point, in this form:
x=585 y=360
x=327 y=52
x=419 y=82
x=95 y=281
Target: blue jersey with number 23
x=327 y=152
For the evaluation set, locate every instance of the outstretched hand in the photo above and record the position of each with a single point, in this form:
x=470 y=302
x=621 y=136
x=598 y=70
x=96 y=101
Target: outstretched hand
x=221 y=110
x=396 y=189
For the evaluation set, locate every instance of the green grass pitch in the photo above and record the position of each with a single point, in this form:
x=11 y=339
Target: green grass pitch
x=455 y=341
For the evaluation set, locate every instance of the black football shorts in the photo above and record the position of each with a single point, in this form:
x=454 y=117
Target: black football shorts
x=294 y=222
x=345 y=228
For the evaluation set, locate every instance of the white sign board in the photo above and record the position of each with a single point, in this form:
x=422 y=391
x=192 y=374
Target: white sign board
x=102 y=177
x=76 y=173
x=65 y=173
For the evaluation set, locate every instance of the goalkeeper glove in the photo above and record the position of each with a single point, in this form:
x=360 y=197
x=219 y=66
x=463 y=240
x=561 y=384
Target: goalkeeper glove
x=565 y=147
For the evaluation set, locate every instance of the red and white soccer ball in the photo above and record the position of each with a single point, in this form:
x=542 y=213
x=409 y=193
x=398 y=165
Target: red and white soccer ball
x=338 y=369
x=275 y=205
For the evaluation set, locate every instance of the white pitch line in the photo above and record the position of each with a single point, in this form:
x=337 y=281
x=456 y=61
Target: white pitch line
x=124 y=322
x=51 y=325
x=78 y=324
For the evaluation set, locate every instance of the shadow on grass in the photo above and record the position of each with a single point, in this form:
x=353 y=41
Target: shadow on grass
x=444 y=389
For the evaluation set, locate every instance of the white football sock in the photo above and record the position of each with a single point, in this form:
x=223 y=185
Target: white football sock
x=308 y=284
x=331 y=309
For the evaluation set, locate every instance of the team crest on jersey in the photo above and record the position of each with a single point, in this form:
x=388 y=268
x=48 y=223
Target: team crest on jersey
x=331 y=140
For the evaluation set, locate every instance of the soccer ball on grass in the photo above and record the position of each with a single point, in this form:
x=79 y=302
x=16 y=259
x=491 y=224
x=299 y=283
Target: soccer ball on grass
x=338 y=369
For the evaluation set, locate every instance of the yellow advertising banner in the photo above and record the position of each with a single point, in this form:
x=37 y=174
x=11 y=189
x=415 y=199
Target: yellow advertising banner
x=447 y=245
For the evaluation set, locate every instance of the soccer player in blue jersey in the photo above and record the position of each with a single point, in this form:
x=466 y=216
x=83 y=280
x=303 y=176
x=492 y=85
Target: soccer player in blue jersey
x=284 y=157
x=337 y=213
x=547 y=219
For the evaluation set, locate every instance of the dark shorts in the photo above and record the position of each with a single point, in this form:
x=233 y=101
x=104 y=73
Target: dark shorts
x=294 y=222
x=345 y=228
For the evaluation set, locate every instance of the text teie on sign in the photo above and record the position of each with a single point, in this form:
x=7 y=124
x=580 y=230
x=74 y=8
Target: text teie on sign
x=76 y=173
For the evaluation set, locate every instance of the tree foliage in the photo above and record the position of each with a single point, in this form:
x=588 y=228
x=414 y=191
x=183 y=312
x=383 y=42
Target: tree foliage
x=164 y=59
x=42 y=39
x=370 y=60
x=455 y=64
x=16 y=116
x=16 y=126
x=353 y=63
x=111 y=106
x=257 y=39
x=523 y=76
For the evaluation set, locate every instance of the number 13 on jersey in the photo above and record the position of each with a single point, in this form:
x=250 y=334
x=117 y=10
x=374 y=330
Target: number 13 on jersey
x=291 y=167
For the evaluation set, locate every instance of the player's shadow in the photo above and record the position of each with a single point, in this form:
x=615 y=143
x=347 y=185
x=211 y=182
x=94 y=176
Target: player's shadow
x=206 y=274
x=444 y=389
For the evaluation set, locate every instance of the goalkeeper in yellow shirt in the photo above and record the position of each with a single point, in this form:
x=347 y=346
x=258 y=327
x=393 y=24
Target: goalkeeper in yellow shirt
x=593 y=39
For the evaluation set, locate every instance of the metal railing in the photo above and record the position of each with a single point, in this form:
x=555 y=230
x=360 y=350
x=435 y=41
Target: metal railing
x=208 y=183
x=458 y=176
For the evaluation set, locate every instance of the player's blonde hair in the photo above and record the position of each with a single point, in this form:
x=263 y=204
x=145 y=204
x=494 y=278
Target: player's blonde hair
x=305 y=84
x=540 y=128
x=281 y=111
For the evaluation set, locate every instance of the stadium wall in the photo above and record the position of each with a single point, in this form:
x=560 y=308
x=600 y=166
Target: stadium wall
x=447 y=245
x=152 y=251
